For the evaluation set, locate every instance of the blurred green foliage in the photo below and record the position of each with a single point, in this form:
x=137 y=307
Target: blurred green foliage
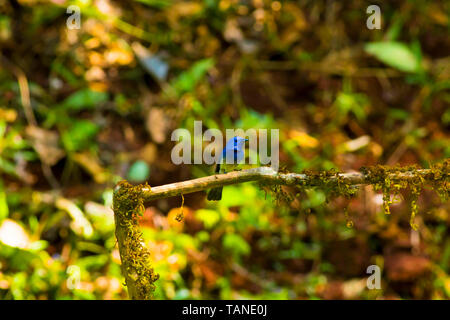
x=107 y=96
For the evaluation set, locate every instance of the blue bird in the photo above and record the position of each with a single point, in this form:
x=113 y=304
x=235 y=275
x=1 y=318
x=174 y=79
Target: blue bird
x=236 y=147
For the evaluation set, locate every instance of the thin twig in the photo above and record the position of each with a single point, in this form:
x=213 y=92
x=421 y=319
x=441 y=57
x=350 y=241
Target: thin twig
x=28 y=110
x=327 y=69
x=23 y=87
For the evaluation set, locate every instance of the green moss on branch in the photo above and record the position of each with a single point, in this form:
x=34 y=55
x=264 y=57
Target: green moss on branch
x=139 y=275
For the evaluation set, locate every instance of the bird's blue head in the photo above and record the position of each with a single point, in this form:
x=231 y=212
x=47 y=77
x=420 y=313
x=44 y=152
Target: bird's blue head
x=237 y=141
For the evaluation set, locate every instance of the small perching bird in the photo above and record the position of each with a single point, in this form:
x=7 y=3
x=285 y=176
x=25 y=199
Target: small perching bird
x=235 y=150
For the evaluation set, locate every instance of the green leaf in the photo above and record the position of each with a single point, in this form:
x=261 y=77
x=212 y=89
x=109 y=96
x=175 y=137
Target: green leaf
x=139 y=171
x=352 y=102
x=84 y=99
x=208 y=217
x=38 y=245
x=398 y=114
x=315 y=199
x=158 y=4
x=8 y=167
x=446 y=117
x=17 y=258
x=4 y=210
x=236 y=244
x=187 y=80
x=93 y=262
x=79 y=136
x=395 y=54
x=395 y=29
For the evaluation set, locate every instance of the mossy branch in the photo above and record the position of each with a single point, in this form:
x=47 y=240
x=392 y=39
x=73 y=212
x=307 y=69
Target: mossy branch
x=129 y=202
x=373 y=175
x=139 y=276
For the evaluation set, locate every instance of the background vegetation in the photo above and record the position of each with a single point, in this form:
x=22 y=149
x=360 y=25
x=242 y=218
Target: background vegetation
x=104 y=99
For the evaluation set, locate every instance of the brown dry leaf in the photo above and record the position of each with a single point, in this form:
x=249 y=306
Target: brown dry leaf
x=22 y=173
x=406 y=267
x=303 y=139
x=437 y=15
x=96 y=59
x=157 y=124
x=148 y=153
x=95 y=74
x=46 y=144
x=92 y=165
x=352 y=289
x=119 y=55
x=293 y=31
x=188 y=8
x=10 y=115
x=332 y=291
x=232 y=31
x=182 y=9
x=354 y=145
x=80 y=224
x=92 y=43
x=392 y=230
x=98 y=86
x=211 y=271
x=97 y=30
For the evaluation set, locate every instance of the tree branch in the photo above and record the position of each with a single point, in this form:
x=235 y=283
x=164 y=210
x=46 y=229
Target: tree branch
x=129 y=203
x=268 y=175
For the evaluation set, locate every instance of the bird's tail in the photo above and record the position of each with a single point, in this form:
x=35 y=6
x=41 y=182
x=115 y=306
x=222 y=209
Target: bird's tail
x=215 y=194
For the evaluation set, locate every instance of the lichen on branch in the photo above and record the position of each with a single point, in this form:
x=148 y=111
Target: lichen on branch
x=139 y=276
x=393 y=179
x=129 y=202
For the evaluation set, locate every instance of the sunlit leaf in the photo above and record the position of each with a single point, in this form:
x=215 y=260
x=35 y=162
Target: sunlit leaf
x=395 y=54
x=187 y=80
x=4 y=210
x=208 y=217
x=236 y=244
x=159 y=4
x=79 y=136
x=84 y=99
